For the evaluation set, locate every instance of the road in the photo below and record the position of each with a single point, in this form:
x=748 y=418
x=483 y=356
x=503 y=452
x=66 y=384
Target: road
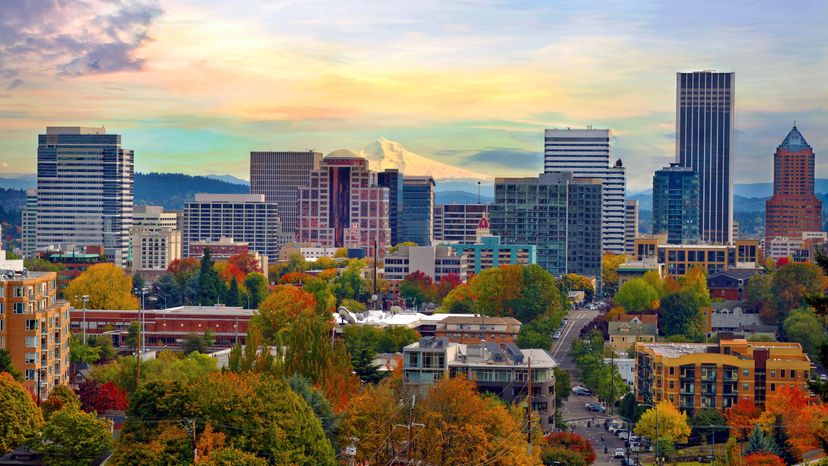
x=574 y=412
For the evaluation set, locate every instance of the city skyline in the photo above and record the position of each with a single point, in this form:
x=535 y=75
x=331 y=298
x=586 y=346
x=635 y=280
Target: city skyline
x=194 y=88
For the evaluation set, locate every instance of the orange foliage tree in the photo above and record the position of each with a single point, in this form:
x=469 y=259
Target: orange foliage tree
x=763 y=459
x=790 y=407
x=742 y=417
x=294 y=278
x=246 y=262
x=284 y=304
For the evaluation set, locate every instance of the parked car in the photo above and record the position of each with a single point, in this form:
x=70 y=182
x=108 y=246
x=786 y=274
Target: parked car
x=619 y=453
x=623 y=434
x=557 y=335
x=594 y=407
x=581 y=391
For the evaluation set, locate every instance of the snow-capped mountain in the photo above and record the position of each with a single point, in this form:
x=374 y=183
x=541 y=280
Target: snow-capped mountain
x=383 y=154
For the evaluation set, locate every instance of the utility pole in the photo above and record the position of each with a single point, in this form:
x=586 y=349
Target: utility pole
x=409 y=448
x=529 y=409
x=350 y=451
x=190 y=426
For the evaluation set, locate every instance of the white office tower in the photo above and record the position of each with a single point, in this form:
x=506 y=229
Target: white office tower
x=29 y=239
x=631 y=230
x=84 y=190
x=586 y=153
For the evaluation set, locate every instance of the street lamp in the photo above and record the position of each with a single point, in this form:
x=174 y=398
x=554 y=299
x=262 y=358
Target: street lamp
x=143 y=292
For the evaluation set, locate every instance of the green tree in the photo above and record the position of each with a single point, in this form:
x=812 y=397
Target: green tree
x=256 y=285
x=636 y=295
x=6 y=365
x=231 y=457
x=708 y=422
x=20 y=419
x=80 y=352
x=363 y=350
x=780 y=436
x=792 y=284
x=61 y=397
x=680 y=314
x=321 y=408
x=103 y=343
x=211 y=289
x=349 y=284
x=805 y=328
x=74 y=438
x=198 y=342
x=234 y=297
x=758 y=293
x=168 y=287
x=417 y=288
x=41 y=265
x=133 y=337
x=758 y=442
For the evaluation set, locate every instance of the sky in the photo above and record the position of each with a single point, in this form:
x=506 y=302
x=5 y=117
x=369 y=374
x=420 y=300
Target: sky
x=194 y=85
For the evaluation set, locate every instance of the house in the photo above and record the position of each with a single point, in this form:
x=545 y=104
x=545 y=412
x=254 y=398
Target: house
x=624 y=335
x=730 y=284
x=729 y=316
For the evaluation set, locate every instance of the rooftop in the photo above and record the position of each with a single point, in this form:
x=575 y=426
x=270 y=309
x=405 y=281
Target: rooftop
x=674 y=350
x=74 y=130
x=206 y=197
x=794 y=141
x=187 y=310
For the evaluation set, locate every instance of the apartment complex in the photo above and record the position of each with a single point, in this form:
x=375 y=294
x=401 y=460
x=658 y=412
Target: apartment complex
x=155 y=239
x=457 y=223
x=344 y=206
x=793 y=209
x=434 y=261
x=84 y=190
x=279 y=175
x=475 y=329
x=557 y=212
x=586 y=153
x=418 y=210
x=798 y=248
x=392 y=179
x=246 y=218
x=679 y=258
x=705 y=143
x=490 y=252
x=504 y=372
x=630 y=225
x=676 y=204
x=695 y=376
x=34 y=326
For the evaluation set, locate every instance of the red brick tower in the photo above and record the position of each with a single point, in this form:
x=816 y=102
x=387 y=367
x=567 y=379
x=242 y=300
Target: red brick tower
x=794 y=208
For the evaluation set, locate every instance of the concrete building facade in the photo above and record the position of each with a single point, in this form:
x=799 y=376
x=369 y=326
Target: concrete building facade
x=630 y=225
x=457 y=223
x=279 y=175
x=434 y=261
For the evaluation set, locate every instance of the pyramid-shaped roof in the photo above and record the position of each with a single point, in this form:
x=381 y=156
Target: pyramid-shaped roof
x=794 y=141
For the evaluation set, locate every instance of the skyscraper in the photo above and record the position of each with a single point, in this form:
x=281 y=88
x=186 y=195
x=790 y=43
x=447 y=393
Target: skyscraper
x=793 y=209
x=586 y=153
x=458 y=222
x=558 y=213
x=344 y=206
x=704 y=142
x=29 y=226
x=392 y=179
x=279 y=175
x=84 y=190
x=630 y=226
x=418 y=210
x=676 y=204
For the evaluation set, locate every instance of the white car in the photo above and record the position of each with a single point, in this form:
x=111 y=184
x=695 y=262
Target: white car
x=619 y=453
x=623 y=434
x=557 y=335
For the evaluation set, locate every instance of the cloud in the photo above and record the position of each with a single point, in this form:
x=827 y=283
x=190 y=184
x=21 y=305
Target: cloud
x=16 y=83
x=73 y=38
x=507 y=157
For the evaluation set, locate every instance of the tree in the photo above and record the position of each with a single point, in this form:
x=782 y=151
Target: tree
x=672 y=424
x=230 y=457
x=283 y=305
x=170 y=289
x=758 y=442
x=680 y=314
x=107 y=286
x=353 y=306
x=37 y=264
x=74 y=438
x=6 y=365
x=707 y=423
x=609 y=268
x=59 y=398
x=198 y=342
x=575 y=282
x=636 y=295
x=556 y=443
x=696 y=280
x=256 y=285
x=80 y=352
x=234 y=296
x=133 y=337
x=525 y=292
x=804 y=327
x=19 y=417
x=445 y=285
x=246 y=262
x=321 y=291
x=371 y=416
x=211 y=289
x=792 y=284
x=742 y=417
x=418 y=288
x=763 y=459
x=350 y=284
x=321 y=408
x=460 y=300
x=363 y=351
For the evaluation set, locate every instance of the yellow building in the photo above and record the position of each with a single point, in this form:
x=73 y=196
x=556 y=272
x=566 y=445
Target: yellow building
x=680 y=258
x=702 y=375
x=34 y=328
x=624 y=335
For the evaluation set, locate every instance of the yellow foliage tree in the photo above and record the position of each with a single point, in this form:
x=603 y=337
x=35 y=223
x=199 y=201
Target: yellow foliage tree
x=107 y=286
x=616 y=313
x=672 y=424
x=696 y=279
x=609 y=267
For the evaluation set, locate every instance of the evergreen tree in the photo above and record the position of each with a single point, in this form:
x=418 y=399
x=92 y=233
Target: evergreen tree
x=6 y=365
x=233 y=294
x=758 y=442
x=783 y=442
x=362 y=360
x=211 y=289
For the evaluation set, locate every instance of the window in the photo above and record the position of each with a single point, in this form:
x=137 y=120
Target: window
x=19 y=308
x=783 y=373
x=2 y=325
x=18 y=292
x=745 y=386
x=773 y=387
x=773 y=373
x=745 y=372
x=31 y=358
x=31 y=324
x=31 y=342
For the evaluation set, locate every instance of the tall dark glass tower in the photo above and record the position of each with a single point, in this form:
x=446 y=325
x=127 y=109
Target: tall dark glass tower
x=704 y=142
x=676 y=204
x=418 y=210
x=392 y=179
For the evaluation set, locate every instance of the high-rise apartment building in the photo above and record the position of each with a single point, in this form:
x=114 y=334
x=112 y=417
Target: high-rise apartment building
x=243 y=217
x=676 y=204
x=392 y=179
x=793 y=209
x=704 y=142
x=457 y=223
x=279 y=175
x=586 y=153
x=84 y=190
x=29 y=226
x=344 y=206
x=630 y=226
x=155 y=239
x=418 y=210
x=557 y=212
x=34 y=326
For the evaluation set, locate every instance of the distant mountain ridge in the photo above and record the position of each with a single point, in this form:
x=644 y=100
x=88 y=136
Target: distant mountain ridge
x=173 y=190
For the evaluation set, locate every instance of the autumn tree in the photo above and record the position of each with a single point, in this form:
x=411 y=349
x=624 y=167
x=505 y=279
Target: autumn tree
x=609 y=268
x=72 y=437
x=20 y=419
x=560 y=445
x=246 y=262
x=763 y=459
x=742 y=417
x=636 y=295
x=107 y=286
x=60 y=397
x=285 y=304
x=372 y=416
x=787 y=416
x=525 y=292
x=460 y=300
x=575 y=282
x=446 y=284
x=672 y=424
x=418 y=288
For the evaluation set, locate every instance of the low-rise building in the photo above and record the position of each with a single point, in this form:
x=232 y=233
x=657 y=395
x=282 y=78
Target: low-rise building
x=730 y=284
x=73 y=262
x=490 y=252
x=502 y=372
x=34 y=326
x=695 y=376
x=636 y=269
x=730 y=316
x=679 y=258
x=221 y=249
x=167 y=328
x=626 y=368
x=434 y=261
x=474 y=329
x=623 y=335
x=798 y=248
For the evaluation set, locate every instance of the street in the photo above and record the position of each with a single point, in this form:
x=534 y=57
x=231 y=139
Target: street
x=574 y=412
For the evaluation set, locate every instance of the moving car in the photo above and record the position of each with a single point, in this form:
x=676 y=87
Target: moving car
x=581 y=391
x=622 y=434
x=594 y=407
x=557 y=335
x=619 y=453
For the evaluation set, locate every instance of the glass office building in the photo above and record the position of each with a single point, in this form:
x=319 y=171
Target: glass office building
x=676 y=204
x=418 y=210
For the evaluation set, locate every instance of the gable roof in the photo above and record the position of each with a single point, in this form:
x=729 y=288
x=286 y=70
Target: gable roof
x=631 y=328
